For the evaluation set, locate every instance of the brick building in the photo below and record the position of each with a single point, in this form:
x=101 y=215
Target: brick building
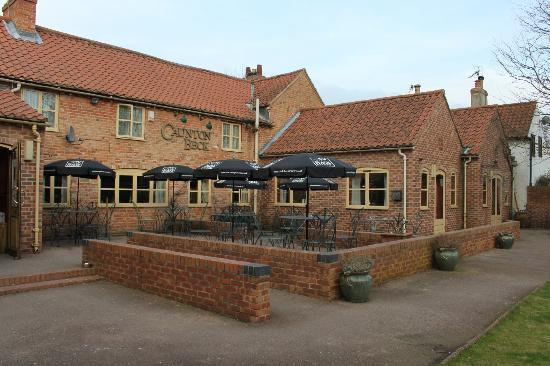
x=134 y=112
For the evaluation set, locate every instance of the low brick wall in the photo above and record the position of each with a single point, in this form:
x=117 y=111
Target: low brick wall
x=234 y=288
x=316 y=274
x=537 y=213
x=296 y=271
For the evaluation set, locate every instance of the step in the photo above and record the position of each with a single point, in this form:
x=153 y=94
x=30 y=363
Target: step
x=48 y=276
x=16 y=289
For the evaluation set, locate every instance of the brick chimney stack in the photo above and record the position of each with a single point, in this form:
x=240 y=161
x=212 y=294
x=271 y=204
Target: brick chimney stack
x=254 y=74
x=479 y=95
x=416 y=88
x=23 y=14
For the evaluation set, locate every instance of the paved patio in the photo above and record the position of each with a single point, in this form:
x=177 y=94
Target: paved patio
x=412 y=321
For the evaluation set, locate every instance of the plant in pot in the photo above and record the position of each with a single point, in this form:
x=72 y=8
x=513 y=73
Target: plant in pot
x=355 y=280
x=446 y=253
x=505 y=240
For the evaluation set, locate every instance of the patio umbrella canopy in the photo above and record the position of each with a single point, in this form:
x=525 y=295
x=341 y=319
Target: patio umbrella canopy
x=313 y=184
x=233 y=169
x=169 y=172
x=310 y=165
x=240 y=184
x=79 y=168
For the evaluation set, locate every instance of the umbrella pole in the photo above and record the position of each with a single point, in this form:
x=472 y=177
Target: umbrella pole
x=77 y=228
x=232 y=212
x=173 y=208
x=307 y=208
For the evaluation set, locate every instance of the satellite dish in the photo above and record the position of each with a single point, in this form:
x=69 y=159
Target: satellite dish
x=545 y=120
x=71 y=137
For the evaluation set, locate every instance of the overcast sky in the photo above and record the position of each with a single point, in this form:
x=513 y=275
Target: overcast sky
x=352 y=50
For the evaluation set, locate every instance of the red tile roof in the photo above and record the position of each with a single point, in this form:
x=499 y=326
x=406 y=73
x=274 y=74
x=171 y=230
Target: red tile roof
x=75 y=63
x=385 y=122
x=472 y=125
x=12 y=107
x=269 y=88
x=516 y=118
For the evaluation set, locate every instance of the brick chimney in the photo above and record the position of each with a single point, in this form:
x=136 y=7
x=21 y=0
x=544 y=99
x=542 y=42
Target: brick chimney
x=479 y=95
x=23 y=14
x=254 y=74
x=416 y=88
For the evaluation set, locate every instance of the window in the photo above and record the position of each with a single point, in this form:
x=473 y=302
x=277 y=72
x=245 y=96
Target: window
x=424 y=180
x=130 y=122
x=288 y=197
x=485 y=197
x=368 y=189
x=199 y=192
x=56 y=191
x=453 y=189
x=128 y=187
x=45 y=103
x=231 y=136
x=240 y=197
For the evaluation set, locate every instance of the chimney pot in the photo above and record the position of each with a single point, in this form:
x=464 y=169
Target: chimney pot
x=417 y=88
x=259 y=71
x=253 y=74
x=23 y=14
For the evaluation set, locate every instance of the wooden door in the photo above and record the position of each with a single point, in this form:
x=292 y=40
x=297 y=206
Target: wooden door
x=439 y=219
x=496 y=203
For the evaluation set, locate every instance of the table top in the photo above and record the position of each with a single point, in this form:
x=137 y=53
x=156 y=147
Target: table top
x=297 y=217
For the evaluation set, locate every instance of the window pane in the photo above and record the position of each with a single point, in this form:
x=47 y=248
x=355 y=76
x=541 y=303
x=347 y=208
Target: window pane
x=51 y=118
x=357 y=197
x=124 y=128
x=60 y=195
x=60 y=181
x=244 y=195
x=284 y=196
x=235 y=144
x=107 y=182
x=125 y=196
x=204 y=197
x=193 y=198
x=377 y=198
x=159 y=197
x=47 y=193
x=137 y=130
x=377 y=180
x=424 y=181
x=126 y=181
x=205 y=186
x=299 y=197
x=47 y=181
x=357 y=182
x=194 y=185
x=236 y=131
x=142 y=183
x=235 y=196
x=124 y=112
x=138 y=114
x=48 y=102
x=142 y=196
x=159 y=184
x=31 y=97
x=225 y=142
x=424 y=198
x=226 y=129
x=107 y=196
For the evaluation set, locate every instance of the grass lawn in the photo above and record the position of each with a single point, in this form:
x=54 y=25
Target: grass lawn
x=522 y=338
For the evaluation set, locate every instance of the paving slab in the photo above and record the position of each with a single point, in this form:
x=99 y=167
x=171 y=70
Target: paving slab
x=412 y=321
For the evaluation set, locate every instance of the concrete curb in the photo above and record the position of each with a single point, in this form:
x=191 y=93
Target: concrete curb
x=497 y=321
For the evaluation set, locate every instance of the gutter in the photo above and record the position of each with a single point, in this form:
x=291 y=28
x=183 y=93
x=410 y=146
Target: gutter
x=36 y=230
x=21 y=121
x=124 y=100
x=382 y=149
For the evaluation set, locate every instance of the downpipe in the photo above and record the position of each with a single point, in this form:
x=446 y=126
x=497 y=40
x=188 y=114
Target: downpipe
x=465 y=193
x=36 y=230
x=404 y=189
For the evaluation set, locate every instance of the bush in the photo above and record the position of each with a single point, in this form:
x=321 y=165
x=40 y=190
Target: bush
x=543 y=180
x=444 y=242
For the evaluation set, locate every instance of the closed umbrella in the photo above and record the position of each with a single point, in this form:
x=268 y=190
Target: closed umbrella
x=307 y=166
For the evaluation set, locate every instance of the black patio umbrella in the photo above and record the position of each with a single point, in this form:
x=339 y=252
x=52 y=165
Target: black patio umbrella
x=79 y=168
x=233 y=169
x=240 y=184
x=173 y=173
x=313 y=184
x=310 y=165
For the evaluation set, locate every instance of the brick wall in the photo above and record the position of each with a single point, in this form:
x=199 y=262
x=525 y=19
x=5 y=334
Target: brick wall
x=12 y=134
x=538 y=207
x=233 y=288
x=296 y=271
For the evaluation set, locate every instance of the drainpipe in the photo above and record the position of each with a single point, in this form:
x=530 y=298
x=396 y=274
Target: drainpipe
x=404 y=189
x=256 y=148
x=465 y=191
x=17 y=88
x=36 y=230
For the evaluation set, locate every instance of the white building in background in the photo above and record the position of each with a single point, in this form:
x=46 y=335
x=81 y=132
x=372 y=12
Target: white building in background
x=528 y=136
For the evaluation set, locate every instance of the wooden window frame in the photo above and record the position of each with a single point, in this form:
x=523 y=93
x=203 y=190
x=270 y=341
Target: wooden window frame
x=131 y=120
x=241 y=192
x=452 y=190
x=231 y=136
x=426 y=190
x=291 y=202
x=199 y=194
x=55 y=127
x=52 y=187
x=135 y=173
x=367 y=189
